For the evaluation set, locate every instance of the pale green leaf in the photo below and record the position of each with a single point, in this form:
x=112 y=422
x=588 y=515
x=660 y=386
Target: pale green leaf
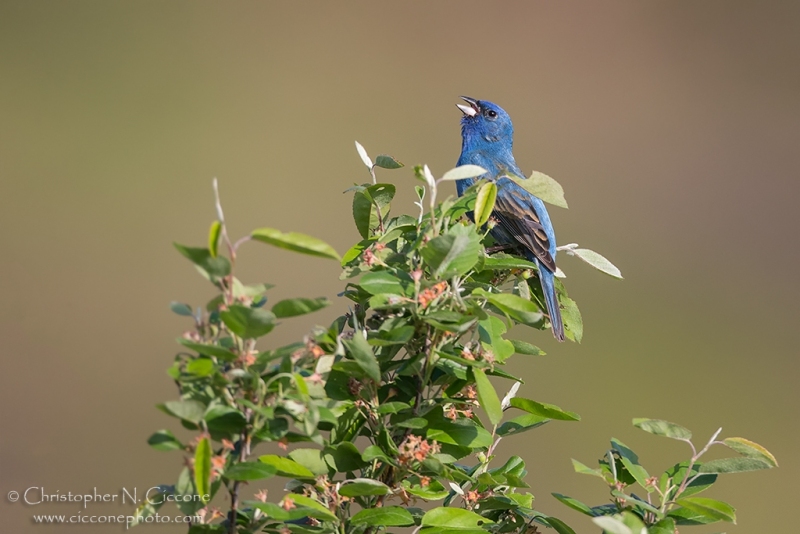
x=453 y=518
x=286 y=467
x=660 y=427
x=387 y=516
x=735 y=465
x=710 y=508
x=597 y=261
x=298 y=306
x=359 y=487
x=540 y=185
x=484 y=203
x=463 y=172
x=487 y=396
x=296 y=242
x=202 y=467
x=213 y=237
x=750 y=449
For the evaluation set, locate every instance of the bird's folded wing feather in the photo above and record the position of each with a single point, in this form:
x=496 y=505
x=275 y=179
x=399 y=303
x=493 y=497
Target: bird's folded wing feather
x=518 y=217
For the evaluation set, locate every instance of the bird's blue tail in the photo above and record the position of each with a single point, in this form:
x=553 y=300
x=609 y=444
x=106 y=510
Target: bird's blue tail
x=549 y=290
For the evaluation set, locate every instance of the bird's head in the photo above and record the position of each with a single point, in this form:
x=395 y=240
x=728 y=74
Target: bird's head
x=484 y=121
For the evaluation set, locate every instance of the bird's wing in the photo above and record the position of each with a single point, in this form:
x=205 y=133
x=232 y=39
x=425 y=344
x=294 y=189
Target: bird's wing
x=517 y=215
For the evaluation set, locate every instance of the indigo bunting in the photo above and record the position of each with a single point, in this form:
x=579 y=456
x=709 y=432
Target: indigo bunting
x=487 y=136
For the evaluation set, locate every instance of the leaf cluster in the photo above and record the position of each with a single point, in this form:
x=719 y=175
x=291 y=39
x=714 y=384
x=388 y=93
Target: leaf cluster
x=670 y=498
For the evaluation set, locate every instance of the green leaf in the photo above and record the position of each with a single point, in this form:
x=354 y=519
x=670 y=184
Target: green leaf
x=202 y=467
x=550 y=411
x=248 y=322
x=392 y=407
x=612 y=525
x=574 y=504
x=416 y=423
x=200 y=367
x=684 y=516
x=571 y=316
x=374 y=451
x=735 y=465
x=585 y=469
x=484 y=203
x=678 y=473
x=559 y=526
x=366 y=203
x=631 y=462
x=355 y=251
x=364 y=214
x=665 y=526
x=521 y=424
x=750 y=449
x=209 y=350
x=213 y=238
x=522 y=347
x=663 y=428
x=396 y=336
x=597 y=261
x=296 y=242
x=225 y=419
x=540 y=185
x=249 y=471
x=319 y=511
x=181 y=308
x=387 y=162
x=188 y=410
x=388 y=516
x=501 y=262
x=214 y=267
x=490 y=332
x=311 y=459
x=710 y=508
x=453 y=253
x=186 y=489
x=360 y=487
x=362 y=353
x=453 y=518
x=299 y=306
x=434 y=491
x=286 y=467
x=344 y=458
x=277 y=513
x=463 y=172
x=487 y=396
x=382 y=282
x=164 y=440
x=519 y=309
x=635 y=501
x=462 y=432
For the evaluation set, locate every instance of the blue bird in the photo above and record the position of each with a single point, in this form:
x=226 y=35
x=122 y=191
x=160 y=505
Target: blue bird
x=487 y=136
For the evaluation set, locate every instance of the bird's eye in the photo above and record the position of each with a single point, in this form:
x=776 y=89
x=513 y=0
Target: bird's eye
x=491 y=114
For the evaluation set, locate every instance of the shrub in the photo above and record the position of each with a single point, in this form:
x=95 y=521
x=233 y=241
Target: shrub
x=388 y=417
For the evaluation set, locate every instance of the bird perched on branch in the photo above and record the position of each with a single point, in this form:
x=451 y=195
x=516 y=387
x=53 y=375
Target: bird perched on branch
x=523 y=222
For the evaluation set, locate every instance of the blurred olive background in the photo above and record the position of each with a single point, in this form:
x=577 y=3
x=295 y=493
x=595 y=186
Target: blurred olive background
x=673 y=127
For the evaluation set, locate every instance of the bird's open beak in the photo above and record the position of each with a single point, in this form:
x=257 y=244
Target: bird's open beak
x=472 y=109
